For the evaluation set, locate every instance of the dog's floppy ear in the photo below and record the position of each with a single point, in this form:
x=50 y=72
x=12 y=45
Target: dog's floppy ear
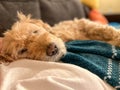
x=38 y=22
x=23 y=17
x=5 y=59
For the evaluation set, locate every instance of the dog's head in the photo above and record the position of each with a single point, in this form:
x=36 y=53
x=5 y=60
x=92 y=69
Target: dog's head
x=30 y=38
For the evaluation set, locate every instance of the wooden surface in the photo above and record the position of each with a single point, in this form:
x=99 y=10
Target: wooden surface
x=113 y=17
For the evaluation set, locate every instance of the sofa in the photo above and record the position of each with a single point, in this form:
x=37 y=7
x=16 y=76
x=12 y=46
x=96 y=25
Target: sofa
x=50 y=11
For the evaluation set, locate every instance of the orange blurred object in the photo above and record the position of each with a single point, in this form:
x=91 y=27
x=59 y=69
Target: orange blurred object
x=96 y=16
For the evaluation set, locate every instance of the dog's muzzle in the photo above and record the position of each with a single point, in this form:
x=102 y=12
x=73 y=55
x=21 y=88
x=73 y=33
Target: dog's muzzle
x=52 y=49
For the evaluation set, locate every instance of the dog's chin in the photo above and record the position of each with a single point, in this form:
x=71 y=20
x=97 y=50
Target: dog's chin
x=55 y=58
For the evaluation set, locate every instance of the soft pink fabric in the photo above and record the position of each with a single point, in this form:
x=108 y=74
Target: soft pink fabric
x=38 y=75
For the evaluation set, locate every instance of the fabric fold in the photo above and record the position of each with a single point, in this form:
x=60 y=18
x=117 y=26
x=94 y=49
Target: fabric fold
x=38 y=75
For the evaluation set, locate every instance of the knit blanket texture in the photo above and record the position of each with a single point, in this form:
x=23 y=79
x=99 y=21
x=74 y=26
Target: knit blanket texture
x=98 y=57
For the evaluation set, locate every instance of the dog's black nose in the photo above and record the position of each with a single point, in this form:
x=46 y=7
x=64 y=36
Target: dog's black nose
x=52 y=49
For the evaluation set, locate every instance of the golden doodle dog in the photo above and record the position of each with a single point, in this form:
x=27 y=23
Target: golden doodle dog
x=34 y=39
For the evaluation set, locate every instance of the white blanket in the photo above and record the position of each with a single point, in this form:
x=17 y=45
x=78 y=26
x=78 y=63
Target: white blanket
x=38 y=75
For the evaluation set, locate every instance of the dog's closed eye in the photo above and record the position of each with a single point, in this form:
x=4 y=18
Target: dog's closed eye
x=22 y=51
x=36 y=31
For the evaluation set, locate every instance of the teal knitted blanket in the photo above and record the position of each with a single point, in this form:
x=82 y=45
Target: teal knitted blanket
x=98 y=57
